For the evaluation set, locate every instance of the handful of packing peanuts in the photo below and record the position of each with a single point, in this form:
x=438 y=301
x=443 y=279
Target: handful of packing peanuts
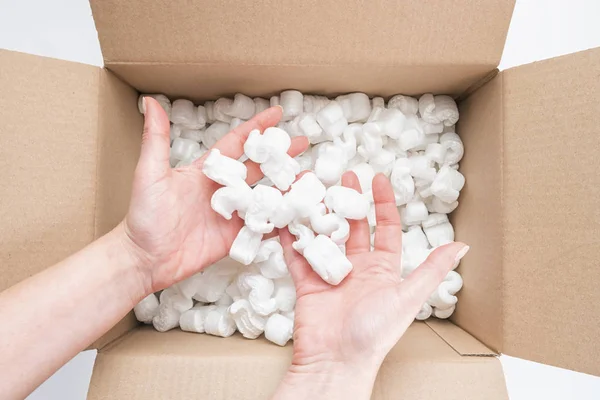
x=412 y=141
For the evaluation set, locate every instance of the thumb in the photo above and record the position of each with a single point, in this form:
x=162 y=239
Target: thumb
x=154 y=155
x=419 y=285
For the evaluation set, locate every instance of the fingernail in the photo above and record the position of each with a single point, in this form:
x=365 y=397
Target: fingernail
x=144 y=104
x=461 y=253
x=279 y=107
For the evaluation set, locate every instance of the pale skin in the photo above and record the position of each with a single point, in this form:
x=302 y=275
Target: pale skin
x=171 y=232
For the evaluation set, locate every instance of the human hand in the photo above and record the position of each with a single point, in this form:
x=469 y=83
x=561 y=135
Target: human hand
x=170 y=223
x=342 y=333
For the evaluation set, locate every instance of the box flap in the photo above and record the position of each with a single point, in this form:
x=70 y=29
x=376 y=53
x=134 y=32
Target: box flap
x=149 y=365
x=69 y=141
x=303 y=32
x=189 y=42
x=551 y=219
x=49 y=118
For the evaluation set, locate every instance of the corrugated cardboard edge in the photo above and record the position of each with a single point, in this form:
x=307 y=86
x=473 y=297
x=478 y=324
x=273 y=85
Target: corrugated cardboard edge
x=462 y=342
x=480 y=83
x=118 y=145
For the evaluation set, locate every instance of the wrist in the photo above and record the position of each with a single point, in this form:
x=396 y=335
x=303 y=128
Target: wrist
x=329 y=380
x=131 y=262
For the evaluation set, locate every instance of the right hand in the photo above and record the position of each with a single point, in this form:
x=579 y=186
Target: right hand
x=170 y=225
x=355 y=324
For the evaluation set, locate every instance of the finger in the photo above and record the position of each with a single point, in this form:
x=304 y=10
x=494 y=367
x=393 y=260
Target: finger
x=154 y=155
x=298 y=146
x=232 y=144
x=360 y=234
x=388 y=232
x=299 y=268
x=418 y=286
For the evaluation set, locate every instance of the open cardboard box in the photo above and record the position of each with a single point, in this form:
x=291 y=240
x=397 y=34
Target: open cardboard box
x=70 y=136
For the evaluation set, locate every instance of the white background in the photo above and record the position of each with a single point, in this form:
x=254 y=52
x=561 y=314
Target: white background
x=540 y=29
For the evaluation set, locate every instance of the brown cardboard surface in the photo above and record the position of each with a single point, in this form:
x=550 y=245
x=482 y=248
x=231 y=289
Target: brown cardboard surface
x=69 y=141
x=119 y=136
x=463 y=343
x=48 y=142
x=478 y=218
x=552 y=220
x=149 y=365
x=209 y=81
x=333 y=32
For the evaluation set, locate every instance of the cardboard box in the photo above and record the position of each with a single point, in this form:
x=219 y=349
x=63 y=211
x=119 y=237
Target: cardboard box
x=70 y=135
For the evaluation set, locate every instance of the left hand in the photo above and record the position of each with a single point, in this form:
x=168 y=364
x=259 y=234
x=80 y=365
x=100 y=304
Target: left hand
x=170 y=224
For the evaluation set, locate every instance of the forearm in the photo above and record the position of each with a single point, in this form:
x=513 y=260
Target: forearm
x=48 y=318
x=331 y=382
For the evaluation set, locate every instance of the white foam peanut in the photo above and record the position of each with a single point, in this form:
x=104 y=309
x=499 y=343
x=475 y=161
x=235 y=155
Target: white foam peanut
x=392 y=122
x=245 y=246
x=248 y=323
x=264 y=201
x=218 y=322
x=414 y=238
x=329 y=224
x=242 y=107
x=183 y=148
x=447 y=184
x=193 y=319
x=444 y=296
x=281 y=171
x=304 y=235
x=356 y=106
x=273 y=144
x=330 y=164
x=332 y=120
x=270 y=260
x=424 y=313
x=279 y=329
x=402 y=182
x=292 y=102
x=214 y=133
x=146 y=309
x=408 y=105
x=221 y=109
x=454 y=147
x=438 y=229
x=327 y=260
x=226 y=200
x=414 y=213
x=347 y=202
x=224 y=170
x=305 y=193
x=443 y=314
x=166 y=318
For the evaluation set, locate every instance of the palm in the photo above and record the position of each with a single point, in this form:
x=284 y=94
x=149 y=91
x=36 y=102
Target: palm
x=365 y=315
x=170 y=217
x=348 y=318
x=177 y=226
